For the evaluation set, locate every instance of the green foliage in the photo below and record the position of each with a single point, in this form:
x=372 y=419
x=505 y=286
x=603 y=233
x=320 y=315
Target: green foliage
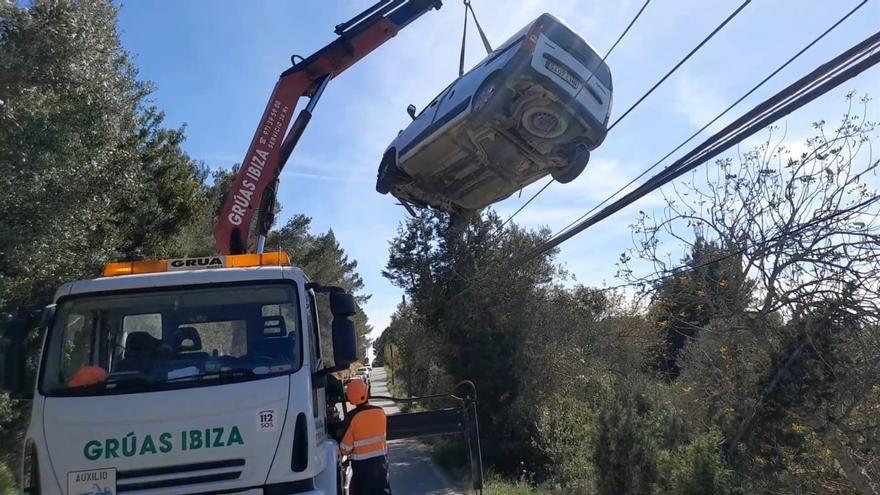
x=564 y=435
x=686 y=302
x=324 y=261
x=696 y=468
x=89 y=173
x=451 y=331
x=7 y=481
x=497 y=485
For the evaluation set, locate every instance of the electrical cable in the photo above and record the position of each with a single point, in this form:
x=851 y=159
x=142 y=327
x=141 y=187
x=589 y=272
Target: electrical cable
x=680 y=63
x=521 y=208
x=821 y=80
x=824 y=78
x=717 y=117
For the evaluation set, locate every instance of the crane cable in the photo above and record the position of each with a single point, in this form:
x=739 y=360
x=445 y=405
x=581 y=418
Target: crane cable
x=658 y=83
x=486 y=44
x=715 y=119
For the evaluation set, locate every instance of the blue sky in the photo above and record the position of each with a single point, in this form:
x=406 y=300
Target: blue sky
x=214 y=65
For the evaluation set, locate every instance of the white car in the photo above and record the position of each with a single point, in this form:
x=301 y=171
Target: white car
x=535 y=106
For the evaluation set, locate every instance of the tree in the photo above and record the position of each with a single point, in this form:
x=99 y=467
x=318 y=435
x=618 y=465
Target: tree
x=476 y=313
x=799 y=235
x=89 y=172
x=704 y=289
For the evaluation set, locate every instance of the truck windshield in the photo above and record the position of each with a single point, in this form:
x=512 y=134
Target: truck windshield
x=139 y=342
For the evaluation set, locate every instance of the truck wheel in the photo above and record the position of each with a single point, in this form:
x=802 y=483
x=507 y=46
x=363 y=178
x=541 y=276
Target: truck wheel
x=389 y=173
x=574 y=168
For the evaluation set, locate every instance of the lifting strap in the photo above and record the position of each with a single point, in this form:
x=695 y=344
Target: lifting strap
x=486 y=44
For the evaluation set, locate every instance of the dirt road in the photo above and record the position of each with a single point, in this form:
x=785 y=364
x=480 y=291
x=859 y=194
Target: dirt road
x=412 y=470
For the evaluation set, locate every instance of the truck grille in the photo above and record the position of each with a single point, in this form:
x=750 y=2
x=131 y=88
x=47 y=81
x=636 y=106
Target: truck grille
x=178 y=475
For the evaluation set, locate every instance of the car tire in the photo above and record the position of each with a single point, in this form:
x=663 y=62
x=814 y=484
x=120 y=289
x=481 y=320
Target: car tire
x=486 y=97
x=574 y=168
x=389 y=173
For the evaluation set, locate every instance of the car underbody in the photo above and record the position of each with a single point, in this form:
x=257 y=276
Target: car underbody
x=523 y=134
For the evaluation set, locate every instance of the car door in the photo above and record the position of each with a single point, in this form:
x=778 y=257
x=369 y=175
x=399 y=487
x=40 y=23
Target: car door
x=416 y=131
x=455 y=100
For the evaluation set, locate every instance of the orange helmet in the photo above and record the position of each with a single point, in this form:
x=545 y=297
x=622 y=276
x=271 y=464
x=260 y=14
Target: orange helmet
x=88 y=375
x=356 y=391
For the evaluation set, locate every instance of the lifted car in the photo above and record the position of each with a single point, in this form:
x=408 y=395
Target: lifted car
x=535 y=106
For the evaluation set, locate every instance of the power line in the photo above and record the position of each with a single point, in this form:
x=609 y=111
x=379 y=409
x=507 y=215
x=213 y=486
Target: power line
x=657 y=84
x=633 y=21
x=724 y=112
x=521 y=208
x=680 y=63
x=821 y=80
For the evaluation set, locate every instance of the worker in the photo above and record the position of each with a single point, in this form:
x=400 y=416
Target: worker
x=364 y=441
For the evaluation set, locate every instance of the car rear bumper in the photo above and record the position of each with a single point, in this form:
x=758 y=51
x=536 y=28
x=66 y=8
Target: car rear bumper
x=522 y=62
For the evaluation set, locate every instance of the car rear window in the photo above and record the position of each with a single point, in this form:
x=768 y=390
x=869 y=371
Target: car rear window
x=579 y=49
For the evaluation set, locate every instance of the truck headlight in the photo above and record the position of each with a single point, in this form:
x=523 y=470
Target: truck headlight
x=30 y=470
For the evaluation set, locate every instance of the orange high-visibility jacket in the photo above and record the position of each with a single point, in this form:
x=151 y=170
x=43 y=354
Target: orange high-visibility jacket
x=365 y=436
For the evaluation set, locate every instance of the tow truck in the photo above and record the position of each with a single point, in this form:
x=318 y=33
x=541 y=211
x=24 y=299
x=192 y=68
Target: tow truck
x=205 y=375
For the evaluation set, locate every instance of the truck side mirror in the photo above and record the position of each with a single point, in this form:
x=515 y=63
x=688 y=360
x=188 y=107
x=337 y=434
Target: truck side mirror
x=13 y=358
x=411 y=111
x=342 y=304
x=344 y=342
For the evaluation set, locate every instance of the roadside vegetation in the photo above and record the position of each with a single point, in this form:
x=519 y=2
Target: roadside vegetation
x=92 y=174
x=748 y=364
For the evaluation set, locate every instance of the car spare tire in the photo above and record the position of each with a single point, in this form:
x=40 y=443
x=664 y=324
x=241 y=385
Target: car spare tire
x=575 y=166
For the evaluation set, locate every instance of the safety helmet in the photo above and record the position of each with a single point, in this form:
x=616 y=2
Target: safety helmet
x=88 y=375
x=356 y=391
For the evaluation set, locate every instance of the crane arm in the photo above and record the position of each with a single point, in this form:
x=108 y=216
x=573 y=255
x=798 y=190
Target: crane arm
x=253 y=189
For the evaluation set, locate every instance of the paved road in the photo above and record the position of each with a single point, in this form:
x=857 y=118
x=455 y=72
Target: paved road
x=412 y=470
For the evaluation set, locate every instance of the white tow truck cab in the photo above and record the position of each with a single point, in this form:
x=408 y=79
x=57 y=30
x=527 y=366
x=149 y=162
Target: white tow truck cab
x=165 y=377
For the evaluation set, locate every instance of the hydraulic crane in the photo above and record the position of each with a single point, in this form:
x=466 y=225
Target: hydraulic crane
x=250 y=203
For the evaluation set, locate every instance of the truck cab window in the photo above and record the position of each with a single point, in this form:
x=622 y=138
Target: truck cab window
x=139 y=342
x=314 y=332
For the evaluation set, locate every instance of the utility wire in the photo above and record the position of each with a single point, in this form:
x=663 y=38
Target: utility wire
x=633 y=21
x=592 y=74
x=724 y=112
x=521 y=208
x=662 y=79
x=824 y=78
x=680 y=63
x=821 y=80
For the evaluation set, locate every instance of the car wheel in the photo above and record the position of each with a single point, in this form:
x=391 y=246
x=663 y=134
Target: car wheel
x=486 y=95
x=575 y=166
x=389 y=173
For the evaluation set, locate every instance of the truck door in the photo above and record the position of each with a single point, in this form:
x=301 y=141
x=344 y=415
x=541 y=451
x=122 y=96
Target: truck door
x=319 y=395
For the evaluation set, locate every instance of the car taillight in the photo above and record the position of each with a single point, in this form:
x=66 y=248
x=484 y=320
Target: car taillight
x=532 y=37
x=30 y=470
